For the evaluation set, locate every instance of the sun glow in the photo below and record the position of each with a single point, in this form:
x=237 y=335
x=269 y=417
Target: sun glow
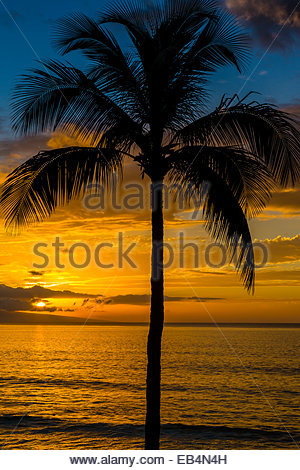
x=40 y=304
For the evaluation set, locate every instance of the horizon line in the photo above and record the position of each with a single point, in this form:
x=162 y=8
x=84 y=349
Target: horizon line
x=187 y=324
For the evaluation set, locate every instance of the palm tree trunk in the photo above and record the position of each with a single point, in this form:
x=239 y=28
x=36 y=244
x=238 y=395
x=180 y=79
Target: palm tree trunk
x=152 y=429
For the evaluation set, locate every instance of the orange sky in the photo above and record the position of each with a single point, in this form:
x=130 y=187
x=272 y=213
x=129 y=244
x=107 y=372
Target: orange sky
x=276 y=297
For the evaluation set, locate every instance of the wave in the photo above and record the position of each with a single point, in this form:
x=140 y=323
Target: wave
x=46 y=425
x=67 y=383
x=261 y=369
x=81 y=383
x=18 y=382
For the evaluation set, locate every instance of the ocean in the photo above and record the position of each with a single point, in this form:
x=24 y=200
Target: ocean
x=72 y=387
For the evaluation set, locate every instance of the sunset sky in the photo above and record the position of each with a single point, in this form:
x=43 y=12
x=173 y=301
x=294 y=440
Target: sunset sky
x=202 y=294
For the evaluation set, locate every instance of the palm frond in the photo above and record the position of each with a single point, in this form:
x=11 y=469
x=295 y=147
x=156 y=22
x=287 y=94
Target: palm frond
x=178 y=43
x=60 y=96
x=226 y=222
x=219 y=43
x=179 y=20
x=51 y=178
x=114 y=72
x=131 y=15
x=248 y=178
x=79 y=32
x=183 y=16
x=232 y=185
x=160 y=31
x=261 y=129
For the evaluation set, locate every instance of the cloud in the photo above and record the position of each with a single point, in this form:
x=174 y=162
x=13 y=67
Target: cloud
x=286 y=200
x=269 y=277
x=14 y=305
x=269 y=18
x=14 y=151
x=39 y=293
x=19 y=298
x=36 y=273
x=292 y=107
x=60 y=140
x=144 y=299
x=14 y=299
x=283 y=249
x=11 y=304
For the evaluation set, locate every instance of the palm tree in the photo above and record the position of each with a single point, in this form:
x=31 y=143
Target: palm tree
x=147 y=102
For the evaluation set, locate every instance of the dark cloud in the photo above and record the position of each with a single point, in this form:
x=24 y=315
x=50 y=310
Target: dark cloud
x=36 y=273
x=37 y=299
x=18 y=298
x=14 y=299
x=286 y=200
x=9 y=304
x=144 y=299
x=208 y=273
x=269 y=18
x=38 y=292
x=45 y=309
x=14 y=151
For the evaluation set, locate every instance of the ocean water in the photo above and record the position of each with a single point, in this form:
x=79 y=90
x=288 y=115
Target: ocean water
x=67 y=387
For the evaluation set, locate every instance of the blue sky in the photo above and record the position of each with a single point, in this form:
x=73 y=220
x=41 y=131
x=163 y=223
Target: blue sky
x=26 y=36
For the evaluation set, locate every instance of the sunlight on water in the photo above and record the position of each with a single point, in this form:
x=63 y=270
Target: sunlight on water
x=71 y=387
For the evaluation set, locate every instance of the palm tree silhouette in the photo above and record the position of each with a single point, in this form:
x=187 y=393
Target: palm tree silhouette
x=146 y=103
